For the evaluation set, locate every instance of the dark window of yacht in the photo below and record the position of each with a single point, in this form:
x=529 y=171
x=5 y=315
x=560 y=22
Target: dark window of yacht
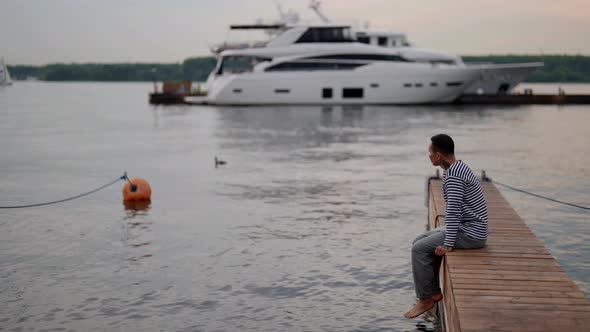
x=433 y=84
x=352 y=93
x=282 y=91
x=503 y=89
x=444 y=62
x=382 y=41
x=239 y=64
x=326 y=35
x=364 y=40
x=374 y=85
x=237 y=90
x=407 y=85
x=418 y=85
x=327 y=93
x=454 y=83
x=311 y=66
x=361 y=57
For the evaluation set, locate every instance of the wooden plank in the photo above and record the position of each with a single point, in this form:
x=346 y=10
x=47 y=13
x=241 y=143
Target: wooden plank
x=467 y=300
x=502 y=267
x=525 y=308
x=523 y=250
x=490 y=295
x=512 y=284
x=483 y=253
x=504 y=272
x=451 y=314
x=493 y=319
x=514 y=243
x=556 y=283
x=508 y=277
x=465 y=259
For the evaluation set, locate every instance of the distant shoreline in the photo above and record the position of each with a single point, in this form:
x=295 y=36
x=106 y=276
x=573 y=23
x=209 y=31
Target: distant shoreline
x=557 y=69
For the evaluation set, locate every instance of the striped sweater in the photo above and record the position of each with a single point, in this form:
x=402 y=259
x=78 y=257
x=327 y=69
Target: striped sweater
x=466 y=208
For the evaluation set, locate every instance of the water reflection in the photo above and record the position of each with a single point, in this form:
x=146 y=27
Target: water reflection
x=319 y=125
x=137 y=234
x=136 y=208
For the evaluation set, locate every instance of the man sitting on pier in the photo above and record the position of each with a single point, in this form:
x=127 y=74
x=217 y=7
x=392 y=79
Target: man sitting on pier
x=466 y=224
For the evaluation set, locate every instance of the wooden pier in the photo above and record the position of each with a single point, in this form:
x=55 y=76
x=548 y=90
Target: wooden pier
x=175 y=93
x=512 y=284
x=170 y=98
x=523 y=99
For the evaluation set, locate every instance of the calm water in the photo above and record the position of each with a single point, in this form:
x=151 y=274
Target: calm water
x=307 y=228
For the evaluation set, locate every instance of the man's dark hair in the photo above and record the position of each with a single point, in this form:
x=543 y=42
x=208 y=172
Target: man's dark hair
x=443 y=143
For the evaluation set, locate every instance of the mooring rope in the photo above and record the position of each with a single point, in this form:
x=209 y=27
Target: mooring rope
x=539 y=196
x=124 y=177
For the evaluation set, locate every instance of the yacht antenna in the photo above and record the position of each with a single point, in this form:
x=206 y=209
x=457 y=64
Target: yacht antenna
x=315 y=6
x=289 y=17
x=281 y=13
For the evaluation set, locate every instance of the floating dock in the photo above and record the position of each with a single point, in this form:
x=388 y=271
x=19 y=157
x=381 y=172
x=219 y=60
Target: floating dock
x=523 y=99
x=169 y=98
x=174 y=93
x=512 y=284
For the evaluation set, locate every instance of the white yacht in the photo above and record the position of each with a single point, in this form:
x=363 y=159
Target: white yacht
x=492 y=78
x=4 y=74
x=324 y=64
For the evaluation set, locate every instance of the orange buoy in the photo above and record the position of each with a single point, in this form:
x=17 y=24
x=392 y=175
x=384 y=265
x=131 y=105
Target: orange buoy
x=137 y=189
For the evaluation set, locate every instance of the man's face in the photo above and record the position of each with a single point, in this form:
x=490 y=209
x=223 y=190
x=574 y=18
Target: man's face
x=435 y=157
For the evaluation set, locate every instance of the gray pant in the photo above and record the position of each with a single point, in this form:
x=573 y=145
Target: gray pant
x=426 y=265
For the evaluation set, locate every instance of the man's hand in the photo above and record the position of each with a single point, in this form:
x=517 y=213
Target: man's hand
x=442 y=250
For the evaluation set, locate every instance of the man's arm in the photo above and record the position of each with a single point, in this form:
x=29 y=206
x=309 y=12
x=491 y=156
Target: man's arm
x=454 y=206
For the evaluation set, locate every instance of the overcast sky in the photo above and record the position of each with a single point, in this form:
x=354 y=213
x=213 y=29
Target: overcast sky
x=49 y=31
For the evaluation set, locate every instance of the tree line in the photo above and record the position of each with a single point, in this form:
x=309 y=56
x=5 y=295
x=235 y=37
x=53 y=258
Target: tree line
x=191 y=69
x=558 y=68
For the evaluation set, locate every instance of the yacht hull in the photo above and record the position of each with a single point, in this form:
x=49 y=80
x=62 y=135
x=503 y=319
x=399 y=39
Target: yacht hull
x=500 y=78
x=372 y=84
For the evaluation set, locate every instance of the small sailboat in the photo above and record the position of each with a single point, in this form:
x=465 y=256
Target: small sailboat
x=4 y=74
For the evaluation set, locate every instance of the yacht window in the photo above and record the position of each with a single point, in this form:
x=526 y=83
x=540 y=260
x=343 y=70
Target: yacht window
x=239 y=64
x=326 y=35
x=446 y=62
x=364 y=40
x=282 y=91
x=374 y=85
x=503 y=89
x=352 y=93
x=327 y=93
x=305 y=66
x=454 y=83
x=237 y=90
x=418 y=85
x=371 y=57
x=382 y=41
x=407 y=85
x=433 y=84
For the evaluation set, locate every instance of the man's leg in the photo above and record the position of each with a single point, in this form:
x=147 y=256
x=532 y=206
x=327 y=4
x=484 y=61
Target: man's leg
x=435 y=281
x=464 y=241
x=424 y=268
x=426 y=234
